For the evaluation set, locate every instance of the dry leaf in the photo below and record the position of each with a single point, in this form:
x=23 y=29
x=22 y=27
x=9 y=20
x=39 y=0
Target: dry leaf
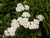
x=48 y=23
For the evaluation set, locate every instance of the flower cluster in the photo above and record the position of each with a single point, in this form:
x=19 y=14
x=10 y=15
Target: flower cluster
x=34 y=24
x=24 y=21
x=11 y=31
x=26 y=14
x=20 y=7
x=40 y=17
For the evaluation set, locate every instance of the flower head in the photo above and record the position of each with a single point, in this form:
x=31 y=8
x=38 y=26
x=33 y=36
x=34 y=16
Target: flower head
x=26 y=14
x=33 y=25
x=27 y=7
x=40 y=17
x=6 y=33
x=19 y=7
x=19 y=4
x=36 y=21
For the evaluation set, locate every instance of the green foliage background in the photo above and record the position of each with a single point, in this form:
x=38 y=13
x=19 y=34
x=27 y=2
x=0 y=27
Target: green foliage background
x=8 y=12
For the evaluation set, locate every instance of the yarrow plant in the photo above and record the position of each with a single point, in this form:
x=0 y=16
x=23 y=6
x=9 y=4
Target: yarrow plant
x=24 y=21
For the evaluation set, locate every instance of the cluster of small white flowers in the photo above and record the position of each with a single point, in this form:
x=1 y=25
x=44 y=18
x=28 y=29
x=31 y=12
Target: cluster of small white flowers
x=24 y=21
x=11 y=31
x=26 y=14
x=27 y=7
x=40 y=17
x=20 y=7
x=31 y=25
x=34 y=24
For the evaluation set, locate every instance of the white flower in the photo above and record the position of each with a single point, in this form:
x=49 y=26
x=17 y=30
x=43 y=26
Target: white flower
x=40 y=17
x=6 y=33
x=36 y=21
x=22 y=20
x=26 y=14
x=15 y=24
x=25 y=22
x=12 y=33
x=25 y=19
x=20 y=8
x=13 y=29
x=27 y=7
x=19 y=4
x=26 y=25
x=33 y=25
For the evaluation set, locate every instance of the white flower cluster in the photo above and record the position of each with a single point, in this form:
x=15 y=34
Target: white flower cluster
x=26 y=14
x=31 y=25
x=11 y=31
x=20 y=7
x=24 y=21
x=40 y=17
x=34 y=24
